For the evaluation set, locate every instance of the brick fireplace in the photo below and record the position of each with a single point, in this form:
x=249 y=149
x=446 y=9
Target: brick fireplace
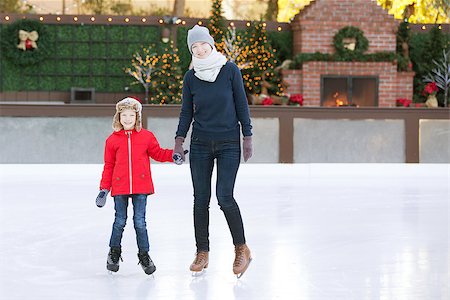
x=313 y=31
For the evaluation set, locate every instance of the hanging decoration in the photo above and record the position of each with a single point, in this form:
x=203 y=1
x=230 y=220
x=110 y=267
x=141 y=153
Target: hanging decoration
x=26 y=42
x=350 y=40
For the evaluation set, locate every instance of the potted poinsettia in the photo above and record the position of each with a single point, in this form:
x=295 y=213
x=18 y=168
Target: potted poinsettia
x=430 y=92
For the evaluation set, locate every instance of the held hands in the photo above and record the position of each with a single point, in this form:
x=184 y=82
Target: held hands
x=178 y=152
x=177 y=159
x=101 y=198
x=247 y=146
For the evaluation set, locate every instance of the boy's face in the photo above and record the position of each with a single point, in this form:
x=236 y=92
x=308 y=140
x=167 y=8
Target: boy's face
x=201 y=49
x=128 y=119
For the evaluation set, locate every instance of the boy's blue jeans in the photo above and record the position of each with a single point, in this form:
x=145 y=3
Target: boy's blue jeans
x=139 y=208
x=201 y=159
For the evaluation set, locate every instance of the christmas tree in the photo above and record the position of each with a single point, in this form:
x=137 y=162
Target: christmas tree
x=261 y=77
x=216 y=24
x=168 y=78
x=143 y=68
x=158 y=71
x=235 y=49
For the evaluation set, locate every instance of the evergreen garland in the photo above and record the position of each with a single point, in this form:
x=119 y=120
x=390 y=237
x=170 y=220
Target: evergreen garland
x=10 y=40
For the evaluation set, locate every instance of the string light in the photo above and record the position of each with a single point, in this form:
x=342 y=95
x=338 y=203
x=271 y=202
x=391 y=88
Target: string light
x=7 y=18
x=109 y=19
x=92 y=19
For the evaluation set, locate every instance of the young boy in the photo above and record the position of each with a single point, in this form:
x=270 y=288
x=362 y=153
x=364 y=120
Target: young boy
x=126 y=173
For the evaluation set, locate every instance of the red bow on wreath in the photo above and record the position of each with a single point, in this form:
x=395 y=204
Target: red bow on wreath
x=27 y=40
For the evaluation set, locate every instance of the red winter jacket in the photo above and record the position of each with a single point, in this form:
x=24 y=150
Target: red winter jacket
x=127 y=164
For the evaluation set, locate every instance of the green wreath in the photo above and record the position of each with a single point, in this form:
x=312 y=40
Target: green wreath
x=10 y=40
x=360 y=46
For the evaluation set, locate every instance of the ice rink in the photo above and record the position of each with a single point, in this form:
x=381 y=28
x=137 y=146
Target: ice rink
x=316 y=231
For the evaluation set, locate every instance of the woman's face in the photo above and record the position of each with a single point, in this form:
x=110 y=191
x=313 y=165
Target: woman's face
x=128 y=119
x=201 y=49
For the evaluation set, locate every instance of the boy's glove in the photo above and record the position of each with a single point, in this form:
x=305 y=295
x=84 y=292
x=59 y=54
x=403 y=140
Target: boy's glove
x=101 y=198
x=178 y=148
x=247 y=147
x=177 y=157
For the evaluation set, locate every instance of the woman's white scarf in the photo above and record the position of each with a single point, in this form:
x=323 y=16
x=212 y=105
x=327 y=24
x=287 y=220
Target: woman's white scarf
x=208 y=68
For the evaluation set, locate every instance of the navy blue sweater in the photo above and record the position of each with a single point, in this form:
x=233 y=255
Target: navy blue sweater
x=216 y=107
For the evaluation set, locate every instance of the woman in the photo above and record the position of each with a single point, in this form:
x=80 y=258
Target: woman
x=214 y=97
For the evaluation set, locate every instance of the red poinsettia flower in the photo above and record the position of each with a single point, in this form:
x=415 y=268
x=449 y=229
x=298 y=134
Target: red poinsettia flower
x=403 y=102
x=267 y=101
x=296 y=99
x=430 y=89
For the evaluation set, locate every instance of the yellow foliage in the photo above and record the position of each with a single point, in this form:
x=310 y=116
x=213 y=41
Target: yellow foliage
x=423 y=12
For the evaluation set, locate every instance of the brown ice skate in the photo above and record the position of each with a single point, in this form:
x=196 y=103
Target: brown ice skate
x=200 y=262
x=242 y=260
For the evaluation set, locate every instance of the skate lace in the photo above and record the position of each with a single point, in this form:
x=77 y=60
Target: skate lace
x=144 y=259
x=115 y=256
x=240 y=257
x=200 y=258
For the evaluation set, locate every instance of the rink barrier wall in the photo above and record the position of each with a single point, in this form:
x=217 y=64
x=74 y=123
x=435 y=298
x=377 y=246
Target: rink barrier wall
x=58 y=133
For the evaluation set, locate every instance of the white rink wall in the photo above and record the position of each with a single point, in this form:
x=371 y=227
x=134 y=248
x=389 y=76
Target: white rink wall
x=80 y=140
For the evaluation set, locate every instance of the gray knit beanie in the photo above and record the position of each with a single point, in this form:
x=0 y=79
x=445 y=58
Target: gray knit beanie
x=199 y=34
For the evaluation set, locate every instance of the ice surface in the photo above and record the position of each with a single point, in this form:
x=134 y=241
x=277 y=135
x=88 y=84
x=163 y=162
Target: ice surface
x=316 y=231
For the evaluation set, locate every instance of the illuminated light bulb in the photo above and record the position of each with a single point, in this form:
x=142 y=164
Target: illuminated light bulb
x=183 y=22
x=199 y=22
x=58 y=19
x=248 y=24
x=92 y=19
x=144 y=20
x=7 y=18
x=127 y=20
x=109 y=19
x=279 y=28
x=75 y=19
x=41 y=18
x=160 y=21
x=424 y=27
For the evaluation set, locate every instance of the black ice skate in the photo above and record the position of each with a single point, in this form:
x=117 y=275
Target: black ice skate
x=146 y=262
x=112 y=263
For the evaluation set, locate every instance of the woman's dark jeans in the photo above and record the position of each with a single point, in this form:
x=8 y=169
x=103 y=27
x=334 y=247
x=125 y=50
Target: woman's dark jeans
x=139 y=208
x=201 y=159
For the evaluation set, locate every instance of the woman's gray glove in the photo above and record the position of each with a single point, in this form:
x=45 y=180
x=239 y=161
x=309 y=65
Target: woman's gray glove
x=101 y=198
x=178 y=148
x=247 y=146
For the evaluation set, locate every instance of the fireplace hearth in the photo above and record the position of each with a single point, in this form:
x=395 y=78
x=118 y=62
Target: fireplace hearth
x=358 y=91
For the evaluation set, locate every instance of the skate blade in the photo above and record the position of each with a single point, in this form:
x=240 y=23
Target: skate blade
x=199 y=274
x=246 y=268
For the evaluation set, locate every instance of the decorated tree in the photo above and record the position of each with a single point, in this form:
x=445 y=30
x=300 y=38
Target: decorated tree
x=143 y=67
x=167 y=86
x=216 y=24
x=235 y=49
x=158 y=71
x=261 y=77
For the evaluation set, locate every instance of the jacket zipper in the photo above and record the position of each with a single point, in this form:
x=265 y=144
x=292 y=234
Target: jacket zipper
x=129 y=162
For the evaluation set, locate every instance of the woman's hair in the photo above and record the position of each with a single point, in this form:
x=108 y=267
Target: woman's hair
x=131 y=104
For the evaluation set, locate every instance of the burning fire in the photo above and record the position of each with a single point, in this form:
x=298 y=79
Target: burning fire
x=338 y=100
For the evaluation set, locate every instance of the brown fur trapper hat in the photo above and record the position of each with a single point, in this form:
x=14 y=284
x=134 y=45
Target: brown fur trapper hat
x=124 y=104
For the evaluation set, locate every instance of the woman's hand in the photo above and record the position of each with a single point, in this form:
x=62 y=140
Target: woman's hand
x=247 y=146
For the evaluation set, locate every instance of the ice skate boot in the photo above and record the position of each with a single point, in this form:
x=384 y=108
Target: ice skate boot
x=242 y=260
x=112 y=262
x=146 y=262
x=200 y=263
